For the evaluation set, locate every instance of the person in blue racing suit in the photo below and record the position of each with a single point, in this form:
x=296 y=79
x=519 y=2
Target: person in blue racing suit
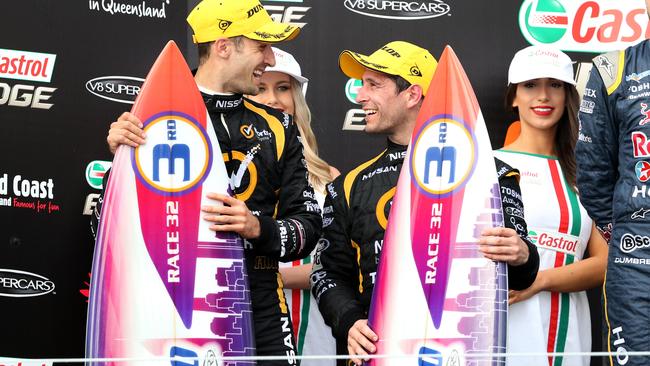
x=613 y=159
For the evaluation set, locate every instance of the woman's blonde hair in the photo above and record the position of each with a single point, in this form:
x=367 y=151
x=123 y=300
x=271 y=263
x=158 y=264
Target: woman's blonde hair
x=319 y=170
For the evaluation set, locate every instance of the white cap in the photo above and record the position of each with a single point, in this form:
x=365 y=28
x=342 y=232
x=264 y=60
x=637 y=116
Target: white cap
x=535 y=62
x=287 y=64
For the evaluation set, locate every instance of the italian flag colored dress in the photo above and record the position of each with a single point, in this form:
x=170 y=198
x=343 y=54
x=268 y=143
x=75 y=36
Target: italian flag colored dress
x=560 y=227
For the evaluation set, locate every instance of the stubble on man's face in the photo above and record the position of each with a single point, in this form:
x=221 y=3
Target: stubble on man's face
x=247 y=63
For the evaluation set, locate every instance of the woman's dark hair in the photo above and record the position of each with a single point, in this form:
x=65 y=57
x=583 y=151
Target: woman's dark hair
x=566 y=132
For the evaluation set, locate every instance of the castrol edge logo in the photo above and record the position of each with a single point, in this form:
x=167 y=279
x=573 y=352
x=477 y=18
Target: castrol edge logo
x=584 y=26
x=24 y=65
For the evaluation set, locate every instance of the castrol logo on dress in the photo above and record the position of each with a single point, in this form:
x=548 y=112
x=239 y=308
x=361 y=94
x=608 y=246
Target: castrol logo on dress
x=24 y=65
x=568 y=244
x=584 y=26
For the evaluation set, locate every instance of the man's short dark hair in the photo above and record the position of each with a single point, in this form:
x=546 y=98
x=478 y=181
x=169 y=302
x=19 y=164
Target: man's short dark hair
x=204 y=48
x=401 y=83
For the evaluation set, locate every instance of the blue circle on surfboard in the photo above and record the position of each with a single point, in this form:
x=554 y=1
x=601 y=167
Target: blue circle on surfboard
x=171 y=155
x=443 y=156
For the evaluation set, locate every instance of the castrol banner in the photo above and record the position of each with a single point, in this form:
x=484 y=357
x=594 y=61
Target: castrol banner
x=24 y=65
x=584 y=26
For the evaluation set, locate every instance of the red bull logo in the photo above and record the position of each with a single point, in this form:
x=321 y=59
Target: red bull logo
x=640 y=144
x=645 y=113
x=584 y=26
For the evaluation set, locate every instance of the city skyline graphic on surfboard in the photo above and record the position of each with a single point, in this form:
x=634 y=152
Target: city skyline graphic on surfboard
x=163 y=284
x=436 y=297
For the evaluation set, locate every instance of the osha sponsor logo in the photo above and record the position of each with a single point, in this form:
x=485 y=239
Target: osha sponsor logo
x=166 y=163
x=584 y=26
x=399 y=9
x=286 y=13
x=630 y=243
x=121 y=89
x=555 y=241
x=14 y=283
x=22 y=192
x=147 y=9
x=442 y=157
x=28 y=66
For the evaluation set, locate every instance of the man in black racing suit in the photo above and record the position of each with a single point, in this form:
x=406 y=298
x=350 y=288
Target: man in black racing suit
x=613 y=159
x=356 y=208
x=274 y=209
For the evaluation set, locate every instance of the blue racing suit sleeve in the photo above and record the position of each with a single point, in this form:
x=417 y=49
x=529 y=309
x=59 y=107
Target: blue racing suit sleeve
x=597 y=153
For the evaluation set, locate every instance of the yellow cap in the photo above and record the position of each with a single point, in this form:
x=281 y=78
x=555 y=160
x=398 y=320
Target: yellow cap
x=404 y=59
x=213 y=19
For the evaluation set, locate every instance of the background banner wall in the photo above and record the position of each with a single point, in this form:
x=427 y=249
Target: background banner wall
x=67 y=69
x=52 y=127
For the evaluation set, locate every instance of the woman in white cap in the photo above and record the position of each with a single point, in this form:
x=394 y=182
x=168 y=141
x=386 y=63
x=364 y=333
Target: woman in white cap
x=552 y=315
x=283 y=87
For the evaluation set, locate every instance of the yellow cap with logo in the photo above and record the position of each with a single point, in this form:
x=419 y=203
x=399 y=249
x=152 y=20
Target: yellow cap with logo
x=413 y=63
x=214 y=19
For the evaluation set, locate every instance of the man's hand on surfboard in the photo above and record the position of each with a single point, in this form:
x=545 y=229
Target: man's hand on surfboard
x=503 y=245
x=127 y=130
x=360 y=341
x=233 y=216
